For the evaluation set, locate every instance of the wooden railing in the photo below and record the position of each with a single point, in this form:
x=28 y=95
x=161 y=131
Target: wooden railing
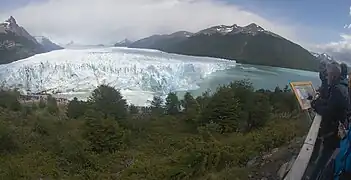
x=302 y=161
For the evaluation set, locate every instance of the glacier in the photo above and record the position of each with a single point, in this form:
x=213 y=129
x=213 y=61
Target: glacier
x=137 y=73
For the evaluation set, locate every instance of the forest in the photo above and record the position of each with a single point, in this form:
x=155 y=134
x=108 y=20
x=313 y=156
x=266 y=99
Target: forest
x=210 y=137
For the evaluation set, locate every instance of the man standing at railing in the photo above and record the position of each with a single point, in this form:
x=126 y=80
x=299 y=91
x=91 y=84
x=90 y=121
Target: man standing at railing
x=333 y=110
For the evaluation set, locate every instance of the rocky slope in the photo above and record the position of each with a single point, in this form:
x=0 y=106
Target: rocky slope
x=162 y=42
x=16 y=43
x=124 y=43
x=250 y=44
x=47 y=44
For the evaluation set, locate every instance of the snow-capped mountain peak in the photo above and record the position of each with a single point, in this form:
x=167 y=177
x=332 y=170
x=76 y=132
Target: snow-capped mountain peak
x=251 y=29
x=326 y=56
x=181 y=34
x=11 y=20
x=323 y=56
x=10 y=25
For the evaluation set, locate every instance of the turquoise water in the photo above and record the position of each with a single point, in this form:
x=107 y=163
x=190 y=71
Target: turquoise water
x=261 y=76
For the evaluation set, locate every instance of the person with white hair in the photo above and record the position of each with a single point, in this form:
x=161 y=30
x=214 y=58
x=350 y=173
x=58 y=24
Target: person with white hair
x=333 y=110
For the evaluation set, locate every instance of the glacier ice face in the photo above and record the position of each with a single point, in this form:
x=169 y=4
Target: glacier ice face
x=137 y=73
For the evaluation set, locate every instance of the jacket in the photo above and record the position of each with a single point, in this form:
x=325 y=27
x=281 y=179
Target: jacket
x=335 y=107
x=324 y=89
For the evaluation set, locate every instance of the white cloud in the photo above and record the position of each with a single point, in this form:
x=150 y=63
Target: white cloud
x=341 y=49
x=101 y=21
x=343 y=45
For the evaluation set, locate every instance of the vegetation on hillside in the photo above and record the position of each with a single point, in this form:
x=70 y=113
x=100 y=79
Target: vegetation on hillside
x=210 y=137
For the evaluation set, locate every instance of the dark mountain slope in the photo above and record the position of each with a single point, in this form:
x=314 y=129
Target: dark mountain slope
x=16 y=43
x=250 y=44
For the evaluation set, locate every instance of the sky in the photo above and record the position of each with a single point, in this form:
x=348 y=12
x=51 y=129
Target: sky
x=317 y=25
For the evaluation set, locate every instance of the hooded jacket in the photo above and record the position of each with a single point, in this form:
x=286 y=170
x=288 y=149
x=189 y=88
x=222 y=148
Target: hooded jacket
x=336 y=105
x=323 y=76
x=344 y=72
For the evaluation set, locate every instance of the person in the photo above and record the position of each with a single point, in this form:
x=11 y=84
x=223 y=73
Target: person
x=344 y=80
x=335 y=107
x=323 y=76
x=342 y=164
x=333 y=110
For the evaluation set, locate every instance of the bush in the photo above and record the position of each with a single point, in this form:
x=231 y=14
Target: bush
x=172 y=104
x=76 y=109
x=109 y=101
x=7 y=141
x=133 y=109
x=191 y=108
x=223 y=109
x=212 y=138
x=52 y=105
x=104 y=135
x=9 y=100
x=157 y=105
x=42 y=103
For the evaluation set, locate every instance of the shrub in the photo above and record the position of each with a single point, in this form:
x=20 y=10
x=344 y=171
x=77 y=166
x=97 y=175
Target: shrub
x=104 y=135
x=109 y=101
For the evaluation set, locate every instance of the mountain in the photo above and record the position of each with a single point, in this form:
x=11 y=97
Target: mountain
x=124 y=43
x=16 y=43
x=47 y=44
x=250 y=44
x=323 y=56
x=161 y=42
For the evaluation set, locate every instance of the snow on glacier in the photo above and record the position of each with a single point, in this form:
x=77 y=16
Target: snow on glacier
x=138 y=73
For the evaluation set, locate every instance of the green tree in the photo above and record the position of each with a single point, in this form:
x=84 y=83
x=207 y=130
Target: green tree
x=133 y=109
x=7 y=140
x=42 y=103
x=223 y=109
x=204 y=99
x=191 y=107
x=157 y=105
x=9 y=100
x=283 y=101
x=172 y=104
x=109 y=101
x=244 y=93
x=52 y=105
x=76 y=109
x=103 y=134
x=259 y=112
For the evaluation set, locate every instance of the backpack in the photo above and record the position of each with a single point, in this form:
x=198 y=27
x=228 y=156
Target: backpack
x=342 y=163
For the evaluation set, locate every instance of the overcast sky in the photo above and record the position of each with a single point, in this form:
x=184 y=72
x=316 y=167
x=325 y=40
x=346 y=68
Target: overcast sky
x=318 y=25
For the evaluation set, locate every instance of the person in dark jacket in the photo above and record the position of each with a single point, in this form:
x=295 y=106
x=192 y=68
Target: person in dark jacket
x=344 y=70
x=344 y=79
x=323 y=76
x=333 y=110
x=336 y=106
